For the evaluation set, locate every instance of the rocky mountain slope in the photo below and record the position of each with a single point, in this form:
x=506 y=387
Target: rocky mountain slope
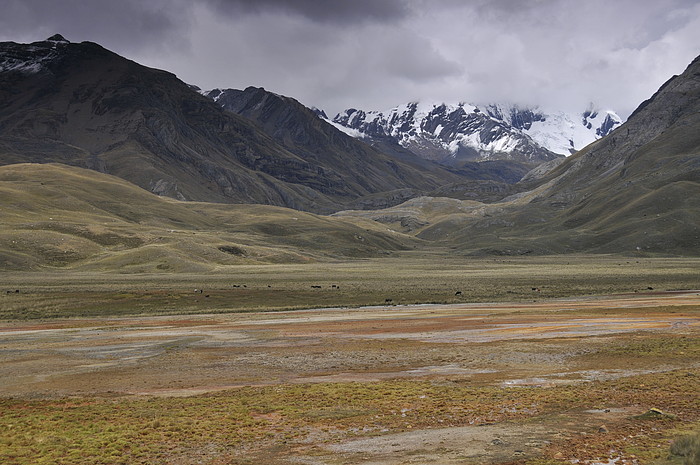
x=301 y=132
x=635 y=191
x=309 y=134
x=453 y=133
x=83 y=105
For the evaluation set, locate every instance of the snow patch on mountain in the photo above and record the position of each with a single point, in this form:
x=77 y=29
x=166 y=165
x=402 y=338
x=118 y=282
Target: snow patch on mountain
x=442 y=131
x=566 y=133
x=349 y=131
x=30 y=59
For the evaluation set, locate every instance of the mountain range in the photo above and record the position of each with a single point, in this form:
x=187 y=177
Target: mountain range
x=634 y=189
x=452 y=133
x=83 y=105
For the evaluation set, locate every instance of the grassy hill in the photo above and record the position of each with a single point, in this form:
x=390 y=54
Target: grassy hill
x=61 y=216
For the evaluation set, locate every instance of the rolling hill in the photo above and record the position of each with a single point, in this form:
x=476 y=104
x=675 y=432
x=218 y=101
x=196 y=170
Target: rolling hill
x=61 y=216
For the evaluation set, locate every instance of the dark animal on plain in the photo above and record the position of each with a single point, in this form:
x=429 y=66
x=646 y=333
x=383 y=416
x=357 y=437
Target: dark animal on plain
x=458 y=293
x=316 y=287
x=388 y=301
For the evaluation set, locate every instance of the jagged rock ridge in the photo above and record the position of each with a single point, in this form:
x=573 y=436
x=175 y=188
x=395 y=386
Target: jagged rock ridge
x=451 y=133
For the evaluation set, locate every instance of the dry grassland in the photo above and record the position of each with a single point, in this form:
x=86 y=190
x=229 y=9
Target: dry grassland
x=140 y=369
x=407 y=279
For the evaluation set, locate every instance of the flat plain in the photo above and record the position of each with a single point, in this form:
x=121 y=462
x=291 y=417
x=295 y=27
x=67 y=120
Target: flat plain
x=417 y=359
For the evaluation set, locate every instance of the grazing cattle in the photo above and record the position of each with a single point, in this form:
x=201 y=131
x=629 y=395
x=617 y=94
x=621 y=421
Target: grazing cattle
x=458 y=293
x=316 y=287
x=388 y=301
x=536 y=289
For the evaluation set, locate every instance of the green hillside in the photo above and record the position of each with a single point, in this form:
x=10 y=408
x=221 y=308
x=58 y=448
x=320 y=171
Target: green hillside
x=60 y=216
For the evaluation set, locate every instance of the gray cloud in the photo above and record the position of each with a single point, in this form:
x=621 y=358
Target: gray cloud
x=375 y=54
x=331 y=11
x=126 y=25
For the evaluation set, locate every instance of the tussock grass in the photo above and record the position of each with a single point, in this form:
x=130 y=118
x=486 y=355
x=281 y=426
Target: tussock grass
x=687 y=447
x=218 y=426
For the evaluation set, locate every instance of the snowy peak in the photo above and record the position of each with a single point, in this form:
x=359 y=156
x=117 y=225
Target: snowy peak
x=58 y=39
x=318 y=112
x=603 y=122
x=514 y=116
x=30 y=58
x=566 y=133
x=452 y=132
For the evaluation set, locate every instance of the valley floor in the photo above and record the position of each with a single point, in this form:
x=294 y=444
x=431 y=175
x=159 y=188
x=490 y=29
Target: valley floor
x=536 y=375
x=407 y=278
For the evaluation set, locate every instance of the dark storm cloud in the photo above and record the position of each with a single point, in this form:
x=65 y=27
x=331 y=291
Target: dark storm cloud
x=126 y=25
x=342 y=12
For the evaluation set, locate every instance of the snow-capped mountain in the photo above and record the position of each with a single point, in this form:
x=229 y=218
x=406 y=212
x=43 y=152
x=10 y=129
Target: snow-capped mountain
x=455 y=132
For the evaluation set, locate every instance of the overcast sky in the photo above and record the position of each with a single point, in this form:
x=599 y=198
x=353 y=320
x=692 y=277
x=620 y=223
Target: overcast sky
x=376 y=54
